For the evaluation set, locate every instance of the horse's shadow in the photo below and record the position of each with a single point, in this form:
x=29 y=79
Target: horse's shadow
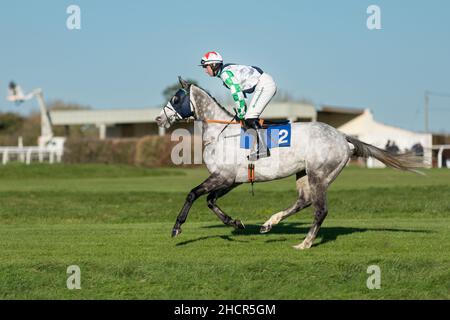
x=228 y=238
x=326 y=234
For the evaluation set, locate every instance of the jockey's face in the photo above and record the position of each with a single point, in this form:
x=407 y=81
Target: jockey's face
x=209 y=70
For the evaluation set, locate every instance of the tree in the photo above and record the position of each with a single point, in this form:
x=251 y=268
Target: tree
x=61 y=105
x=170 y=91
x=285 y=96
x=10 y=122
x=13 y=125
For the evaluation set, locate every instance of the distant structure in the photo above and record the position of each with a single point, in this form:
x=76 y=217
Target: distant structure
x=364 y=127
x=128 y=123
x=49 y=146
x=359 y=123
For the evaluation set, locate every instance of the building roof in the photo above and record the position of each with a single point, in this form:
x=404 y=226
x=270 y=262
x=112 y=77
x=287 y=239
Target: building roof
x=106 y=116
x=337 y=116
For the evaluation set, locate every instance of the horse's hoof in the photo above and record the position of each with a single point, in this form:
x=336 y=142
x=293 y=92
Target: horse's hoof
x=238 y=224
x=265 y=229
x=175 y=232
x=302 y=246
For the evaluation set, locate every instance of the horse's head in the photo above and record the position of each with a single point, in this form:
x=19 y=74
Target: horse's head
x=178 y=107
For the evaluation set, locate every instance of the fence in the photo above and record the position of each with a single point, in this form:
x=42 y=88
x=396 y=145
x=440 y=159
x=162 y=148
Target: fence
x=27 y=154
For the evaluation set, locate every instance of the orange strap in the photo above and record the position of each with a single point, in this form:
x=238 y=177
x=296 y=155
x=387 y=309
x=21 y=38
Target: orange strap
x=222 y=121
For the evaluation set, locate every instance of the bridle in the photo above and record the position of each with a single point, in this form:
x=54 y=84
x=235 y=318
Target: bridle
x=176 y=114
x=179 y=117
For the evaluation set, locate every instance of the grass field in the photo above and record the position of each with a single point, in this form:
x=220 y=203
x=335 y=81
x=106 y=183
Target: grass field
x=114 y=222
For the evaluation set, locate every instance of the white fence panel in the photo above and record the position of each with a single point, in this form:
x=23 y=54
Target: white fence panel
x=27 y=154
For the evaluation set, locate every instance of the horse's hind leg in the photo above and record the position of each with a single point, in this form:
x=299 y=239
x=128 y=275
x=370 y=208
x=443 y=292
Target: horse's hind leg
x=318 y=195
x=318 y=187
x=226 y=219
x=303 y=201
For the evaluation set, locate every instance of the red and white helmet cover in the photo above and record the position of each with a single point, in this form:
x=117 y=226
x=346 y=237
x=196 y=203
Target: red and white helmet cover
x=211 y=57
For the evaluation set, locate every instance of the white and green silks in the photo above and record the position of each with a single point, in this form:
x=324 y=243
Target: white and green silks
x=242 y=79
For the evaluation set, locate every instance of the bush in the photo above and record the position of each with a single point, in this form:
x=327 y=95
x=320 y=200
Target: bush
x=146 y=151
x=153 y=151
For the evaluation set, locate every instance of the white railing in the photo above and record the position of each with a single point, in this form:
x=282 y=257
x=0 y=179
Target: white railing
x=440 y=149
x=27 y=154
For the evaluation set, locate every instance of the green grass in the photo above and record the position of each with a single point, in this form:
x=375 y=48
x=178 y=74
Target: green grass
x=115 y=223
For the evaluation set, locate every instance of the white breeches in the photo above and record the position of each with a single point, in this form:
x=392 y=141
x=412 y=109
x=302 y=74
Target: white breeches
x=264 y=92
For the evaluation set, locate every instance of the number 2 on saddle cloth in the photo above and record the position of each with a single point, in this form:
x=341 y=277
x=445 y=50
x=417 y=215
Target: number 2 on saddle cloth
x=277 y=136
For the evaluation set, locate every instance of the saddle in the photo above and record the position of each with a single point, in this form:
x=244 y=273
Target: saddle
x=275 y=134
x=267 y=123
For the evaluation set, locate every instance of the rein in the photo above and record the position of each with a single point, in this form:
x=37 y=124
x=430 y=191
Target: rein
x=261 y=121
x=223 y=121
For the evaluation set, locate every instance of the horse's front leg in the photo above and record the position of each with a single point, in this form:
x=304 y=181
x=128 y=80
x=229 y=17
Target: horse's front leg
x=213 y=182
x=226 y=219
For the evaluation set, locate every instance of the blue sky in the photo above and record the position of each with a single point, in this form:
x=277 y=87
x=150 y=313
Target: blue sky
x=127 y=52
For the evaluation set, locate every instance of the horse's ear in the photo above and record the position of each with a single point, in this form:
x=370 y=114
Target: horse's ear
x=184 y=84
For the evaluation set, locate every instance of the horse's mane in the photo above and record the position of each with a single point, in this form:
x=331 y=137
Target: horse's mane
x=214 y=99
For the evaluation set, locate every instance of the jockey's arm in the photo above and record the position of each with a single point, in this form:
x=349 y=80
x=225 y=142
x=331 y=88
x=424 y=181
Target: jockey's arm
x=238 y=96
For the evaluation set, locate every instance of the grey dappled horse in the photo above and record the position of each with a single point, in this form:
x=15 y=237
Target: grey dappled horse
x=317 y=155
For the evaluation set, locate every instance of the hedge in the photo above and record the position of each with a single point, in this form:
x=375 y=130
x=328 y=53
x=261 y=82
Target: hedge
x=150 y=151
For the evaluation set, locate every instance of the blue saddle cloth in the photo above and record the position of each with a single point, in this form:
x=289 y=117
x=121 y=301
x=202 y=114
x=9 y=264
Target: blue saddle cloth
x=277 y=136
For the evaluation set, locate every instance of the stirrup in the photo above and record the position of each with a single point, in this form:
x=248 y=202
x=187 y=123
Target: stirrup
x=258 y=155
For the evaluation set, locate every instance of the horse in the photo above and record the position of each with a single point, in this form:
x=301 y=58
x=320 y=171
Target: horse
x=317 y=155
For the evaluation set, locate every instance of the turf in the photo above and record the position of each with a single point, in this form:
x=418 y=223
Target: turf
x=114 y=222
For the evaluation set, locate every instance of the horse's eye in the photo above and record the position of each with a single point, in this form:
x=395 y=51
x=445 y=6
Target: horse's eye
x=175 y=100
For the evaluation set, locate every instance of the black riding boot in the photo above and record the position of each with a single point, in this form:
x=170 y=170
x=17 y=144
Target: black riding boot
x=259 y=150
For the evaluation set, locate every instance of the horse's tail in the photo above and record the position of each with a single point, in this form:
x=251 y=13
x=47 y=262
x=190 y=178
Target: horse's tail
x=403 y=161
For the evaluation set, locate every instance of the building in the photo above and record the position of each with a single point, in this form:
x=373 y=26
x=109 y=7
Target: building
x=359 y=123
x=441 y=150
x=337 y=116
x=364 y=127
x=126 y=123
x=114 y=123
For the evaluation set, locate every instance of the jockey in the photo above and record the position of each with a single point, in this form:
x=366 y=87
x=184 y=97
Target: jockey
x=243 y=80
